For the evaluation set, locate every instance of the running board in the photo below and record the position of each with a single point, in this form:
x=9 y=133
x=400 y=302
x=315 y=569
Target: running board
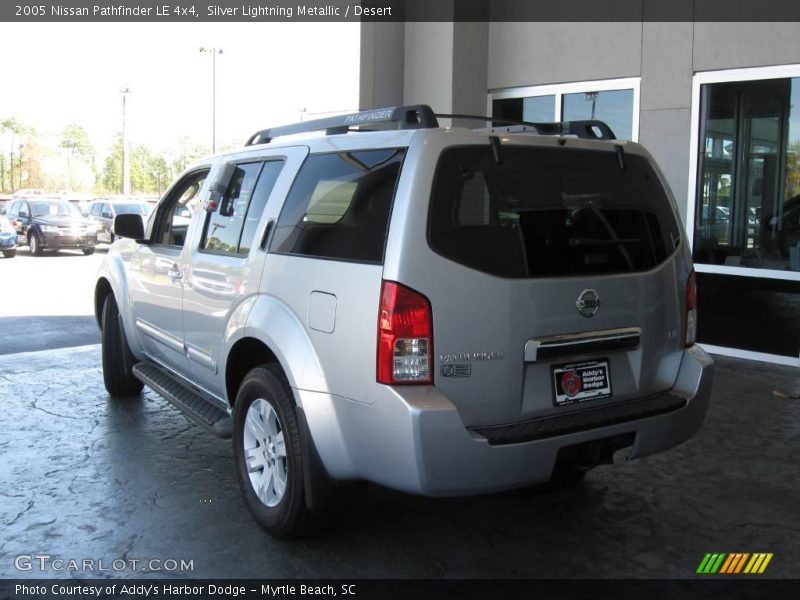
x=197 y=407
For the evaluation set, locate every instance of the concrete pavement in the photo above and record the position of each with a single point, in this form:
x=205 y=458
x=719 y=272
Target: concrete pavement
x=85 y=476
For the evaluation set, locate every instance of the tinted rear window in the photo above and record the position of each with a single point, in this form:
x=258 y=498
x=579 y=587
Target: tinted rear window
x=549 y=211
x=339 y=206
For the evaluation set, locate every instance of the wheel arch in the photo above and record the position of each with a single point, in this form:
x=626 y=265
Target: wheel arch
x=246 y=354
x=101 y=291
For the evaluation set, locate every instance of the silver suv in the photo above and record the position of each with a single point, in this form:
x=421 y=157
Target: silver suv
x=439 y=310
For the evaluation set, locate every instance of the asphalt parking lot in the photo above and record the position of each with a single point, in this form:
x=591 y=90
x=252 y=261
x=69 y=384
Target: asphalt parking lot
x=87 y=477
x=46 y=301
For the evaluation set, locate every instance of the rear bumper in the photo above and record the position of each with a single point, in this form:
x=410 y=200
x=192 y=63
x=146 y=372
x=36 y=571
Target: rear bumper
x=412 y=438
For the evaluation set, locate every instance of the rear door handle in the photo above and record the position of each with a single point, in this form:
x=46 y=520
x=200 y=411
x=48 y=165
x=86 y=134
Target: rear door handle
x=174 y=272
x=265 y=237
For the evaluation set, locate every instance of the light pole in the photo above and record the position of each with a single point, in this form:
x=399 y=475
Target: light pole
x=126 y=168
x=213 y=52
x=593 y=97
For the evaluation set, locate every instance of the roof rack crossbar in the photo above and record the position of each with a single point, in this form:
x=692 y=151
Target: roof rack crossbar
x=591 y=129
x=416 y=116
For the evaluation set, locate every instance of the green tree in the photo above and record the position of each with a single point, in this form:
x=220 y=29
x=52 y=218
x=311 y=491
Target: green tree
x=149 y=171
x=75 y=139
x=20 y=133
x=111 y=180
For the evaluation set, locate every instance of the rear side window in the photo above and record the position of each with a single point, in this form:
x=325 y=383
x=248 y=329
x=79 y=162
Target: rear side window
x=543 y=212
x=339 y=206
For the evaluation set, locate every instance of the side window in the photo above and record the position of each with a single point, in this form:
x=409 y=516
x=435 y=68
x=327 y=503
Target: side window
x=175 y=212
x=339 y=206
x=266 y=181
x=95 y=212
x=106 y=211
x=224 y=226
x=24 y=210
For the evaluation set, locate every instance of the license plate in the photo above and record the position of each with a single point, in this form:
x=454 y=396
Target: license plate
x=580 y=382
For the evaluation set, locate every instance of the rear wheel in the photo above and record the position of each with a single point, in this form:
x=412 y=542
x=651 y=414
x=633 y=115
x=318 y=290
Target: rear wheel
x=268 y=453
x=9 y=253
x=118 y=360
x=35 y=244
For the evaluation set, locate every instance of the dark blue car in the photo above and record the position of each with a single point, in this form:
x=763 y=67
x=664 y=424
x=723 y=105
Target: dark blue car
x=8 y=238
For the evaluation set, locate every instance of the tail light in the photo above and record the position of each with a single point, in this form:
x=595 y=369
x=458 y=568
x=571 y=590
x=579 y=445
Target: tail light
x=691 y=309
x=405 y=336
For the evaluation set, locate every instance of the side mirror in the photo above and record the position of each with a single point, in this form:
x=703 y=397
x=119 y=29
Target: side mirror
x=24 y=214
x=219 y=185
x=129 y=226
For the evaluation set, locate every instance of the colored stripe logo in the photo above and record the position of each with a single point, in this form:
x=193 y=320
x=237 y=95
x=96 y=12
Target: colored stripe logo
x=734 y=563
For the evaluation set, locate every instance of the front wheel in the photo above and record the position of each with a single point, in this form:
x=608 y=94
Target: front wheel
x=118 y=360
x=268 y=453
x=35 y=244
x=9 y=253
x=88 y=251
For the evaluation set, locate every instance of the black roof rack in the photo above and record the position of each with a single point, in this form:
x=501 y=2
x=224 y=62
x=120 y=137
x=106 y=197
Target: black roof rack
x=420 y=116
x=417 y=116
x=590 y=129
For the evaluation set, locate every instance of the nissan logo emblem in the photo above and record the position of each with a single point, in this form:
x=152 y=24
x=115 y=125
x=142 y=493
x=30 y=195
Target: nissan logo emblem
x=588 y=303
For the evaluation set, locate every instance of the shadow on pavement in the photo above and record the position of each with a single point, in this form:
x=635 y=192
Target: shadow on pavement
x=28 y=334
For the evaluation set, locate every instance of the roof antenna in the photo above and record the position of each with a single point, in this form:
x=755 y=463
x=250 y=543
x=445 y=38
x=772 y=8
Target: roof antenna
x=495 y=143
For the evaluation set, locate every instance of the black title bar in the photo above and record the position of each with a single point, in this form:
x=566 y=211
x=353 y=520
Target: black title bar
x=399 y=10
x=740 y=588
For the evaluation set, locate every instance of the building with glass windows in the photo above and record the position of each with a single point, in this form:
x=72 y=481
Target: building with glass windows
x=717 y=104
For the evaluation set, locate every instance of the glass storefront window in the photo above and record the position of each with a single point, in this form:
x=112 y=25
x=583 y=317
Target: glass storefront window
x=535 y=109
x=614 y=101
x=748 y=192
x=614 y=107
x=539 y=109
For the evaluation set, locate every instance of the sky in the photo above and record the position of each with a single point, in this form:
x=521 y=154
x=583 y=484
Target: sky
x=55 y=74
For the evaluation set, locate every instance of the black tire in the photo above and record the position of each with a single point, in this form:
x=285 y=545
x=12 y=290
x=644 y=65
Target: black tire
x=35 y=244
x=88 y=251
x=118 y=360
x=10 y=253
x=111 y=238
x=289 y=517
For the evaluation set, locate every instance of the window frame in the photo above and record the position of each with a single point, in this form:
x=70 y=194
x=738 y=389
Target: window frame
x=158 y=217
x=726 y=76
x=558 y=90
x=241 y=255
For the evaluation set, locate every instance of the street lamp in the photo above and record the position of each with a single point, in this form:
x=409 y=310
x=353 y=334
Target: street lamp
x=213 y=52
x=593 y=97
x=126 y=168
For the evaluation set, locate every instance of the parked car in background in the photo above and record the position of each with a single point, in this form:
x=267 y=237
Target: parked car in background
x=8 y=238
x=51 y=224
x=102 y=213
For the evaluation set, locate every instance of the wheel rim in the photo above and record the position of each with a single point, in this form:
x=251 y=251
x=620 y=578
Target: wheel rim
x=34 y=244
x=265 y=452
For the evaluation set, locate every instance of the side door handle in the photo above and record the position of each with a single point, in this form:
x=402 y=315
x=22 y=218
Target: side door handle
x=175 y=272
